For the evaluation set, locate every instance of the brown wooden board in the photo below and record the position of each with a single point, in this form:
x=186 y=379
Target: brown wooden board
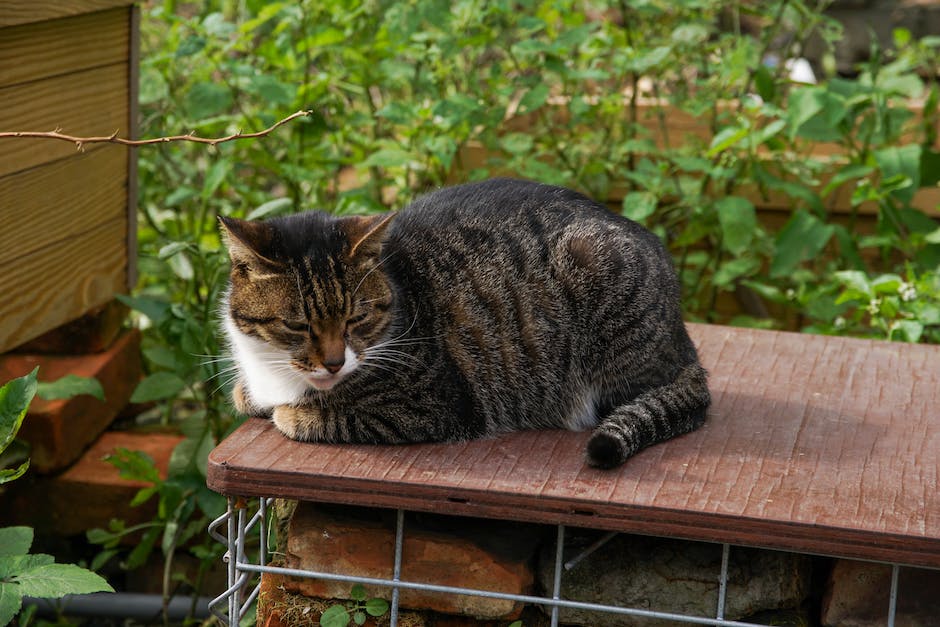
x=59 y=283
x=87 y=103
x=13 y=12
x=54 y=48
x=813 y=444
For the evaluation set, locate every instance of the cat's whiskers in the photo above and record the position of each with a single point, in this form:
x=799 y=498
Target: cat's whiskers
x=371 y=270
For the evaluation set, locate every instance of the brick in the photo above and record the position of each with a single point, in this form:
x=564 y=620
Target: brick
x=857 y=595
x=92 y=333
x=59 y=431
x=445 y=550
x=90 y=493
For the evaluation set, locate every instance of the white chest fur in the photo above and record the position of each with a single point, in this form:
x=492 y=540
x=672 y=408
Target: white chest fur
x=265 y=371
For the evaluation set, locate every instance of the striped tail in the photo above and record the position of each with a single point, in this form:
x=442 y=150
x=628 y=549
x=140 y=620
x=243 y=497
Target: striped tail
x=652 y=417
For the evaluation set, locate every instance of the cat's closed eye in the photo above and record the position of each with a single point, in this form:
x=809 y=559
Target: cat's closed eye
x=359 y=317
x=298 y=326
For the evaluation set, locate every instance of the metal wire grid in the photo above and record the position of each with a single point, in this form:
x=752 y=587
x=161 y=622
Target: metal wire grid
x=240 y=572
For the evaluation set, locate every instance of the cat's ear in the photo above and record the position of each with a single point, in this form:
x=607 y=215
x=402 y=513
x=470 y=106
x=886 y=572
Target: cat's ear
x=366 y=233
x=247 y=242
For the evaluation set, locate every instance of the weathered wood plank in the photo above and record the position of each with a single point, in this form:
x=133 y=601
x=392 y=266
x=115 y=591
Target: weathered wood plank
x=35 y=51
x=44 y=205
x=61 y=282
x=813 y=444
x=92 y=102
x=14 y=12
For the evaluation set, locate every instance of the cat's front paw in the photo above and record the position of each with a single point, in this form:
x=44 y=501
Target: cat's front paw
x=243 y=404
x=298 y=423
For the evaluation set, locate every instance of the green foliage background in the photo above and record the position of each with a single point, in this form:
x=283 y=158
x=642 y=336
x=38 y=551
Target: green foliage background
x=570 y=92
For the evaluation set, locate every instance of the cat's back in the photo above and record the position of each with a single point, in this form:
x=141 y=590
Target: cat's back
x=518 y=226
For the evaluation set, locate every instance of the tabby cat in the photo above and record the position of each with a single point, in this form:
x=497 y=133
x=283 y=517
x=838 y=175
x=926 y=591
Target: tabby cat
x=479 y=309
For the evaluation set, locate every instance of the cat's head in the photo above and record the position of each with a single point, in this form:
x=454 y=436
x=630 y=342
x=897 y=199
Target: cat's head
x=307 y=295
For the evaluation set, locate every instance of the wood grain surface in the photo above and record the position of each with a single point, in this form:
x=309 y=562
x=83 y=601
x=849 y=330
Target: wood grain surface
x=58 y=283
x=86 y=103
x=33 y=52
x=813 y=444
x=13 y=12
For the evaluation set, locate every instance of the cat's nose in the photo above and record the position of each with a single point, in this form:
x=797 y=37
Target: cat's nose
x=334 y=366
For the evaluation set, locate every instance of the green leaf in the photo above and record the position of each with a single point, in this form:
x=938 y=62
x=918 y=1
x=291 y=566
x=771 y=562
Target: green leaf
x=908 y=330
x=726 y=138
x=134 y=465
x=376 y=607
x=335 y=616
x=70 y=385
x=272 y=207
x=802 y=237
x=933 y=237
x=156 y=310
x=764 y=82
x=359 y=618
x=639 y=205
x=738 y=220
x=55 y=580
x=11 y=599
x=855 y=280
x=534 y=98
x=153 y=87
x=886 y=284
x=735 y=269
x=15 y=540
x=10 y=474
x=517 y=143
x=13 y=565
x=15 y=397
x=903 y=161
x=157 y=387
x=205 y=100
x=215 y=176
x=358 y=593
x=388 y=158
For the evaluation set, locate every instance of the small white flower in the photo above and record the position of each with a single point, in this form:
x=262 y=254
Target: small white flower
x=874 y=306
x=791 y=294
x=907 y=292
x=839 y=322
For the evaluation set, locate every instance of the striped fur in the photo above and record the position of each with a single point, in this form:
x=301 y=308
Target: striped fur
x=478 y=309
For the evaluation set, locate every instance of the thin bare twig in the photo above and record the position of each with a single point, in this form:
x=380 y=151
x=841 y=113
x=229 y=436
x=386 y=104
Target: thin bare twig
x=114 y=139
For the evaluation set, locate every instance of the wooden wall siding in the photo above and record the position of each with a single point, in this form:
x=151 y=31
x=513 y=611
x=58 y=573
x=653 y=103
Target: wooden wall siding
x=36 y=51
x=41 y=207
x=66 y=245
x=96 y=105
x=46 y=288
x=15 y=12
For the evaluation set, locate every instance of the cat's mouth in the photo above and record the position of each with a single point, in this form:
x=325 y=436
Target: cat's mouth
x=324 y=382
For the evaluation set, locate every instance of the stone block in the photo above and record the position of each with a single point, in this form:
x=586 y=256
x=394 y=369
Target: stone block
x=857 y=595
x=59 y=431
x=90 y=493
x=672 y=576
x=444 y=550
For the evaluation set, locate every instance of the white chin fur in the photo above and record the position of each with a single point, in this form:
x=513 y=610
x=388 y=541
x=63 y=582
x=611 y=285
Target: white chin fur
x=268 y=375
x=265 y=370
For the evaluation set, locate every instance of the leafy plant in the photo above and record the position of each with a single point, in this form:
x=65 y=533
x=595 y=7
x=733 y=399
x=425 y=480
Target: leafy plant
x=669 y=111
x=22 y=573
x=356 y=610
